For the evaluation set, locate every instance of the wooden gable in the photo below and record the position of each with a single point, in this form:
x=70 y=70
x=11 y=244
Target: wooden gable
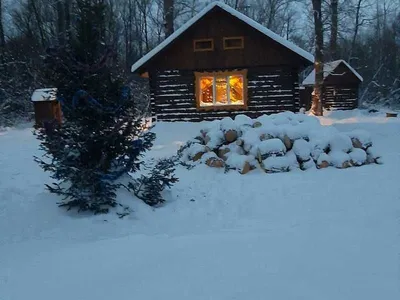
x=218 y=24
x=341 y=75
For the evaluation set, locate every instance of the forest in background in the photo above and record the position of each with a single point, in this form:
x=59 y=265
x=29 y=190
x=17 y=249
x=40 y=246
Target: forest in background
x=366 y=33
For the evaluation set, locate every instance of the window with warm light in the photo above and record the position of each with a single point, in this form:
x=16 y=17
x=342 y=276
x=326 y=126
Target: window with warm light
x=224 y=89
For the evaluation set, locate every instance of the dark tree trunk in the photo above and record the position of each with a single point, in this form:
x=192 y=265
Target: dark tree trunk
x=334 y=29
x=168 y=17
x=356 y=28
x=67 y=13
x=316 y=107
x=61 y=23
x=39 y=22
x=2 y=36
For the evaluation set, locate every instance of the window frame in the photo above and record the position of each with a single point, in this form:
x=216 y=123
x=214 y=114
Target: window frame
x=199 y=75
x=241 y=38
x=204 y=49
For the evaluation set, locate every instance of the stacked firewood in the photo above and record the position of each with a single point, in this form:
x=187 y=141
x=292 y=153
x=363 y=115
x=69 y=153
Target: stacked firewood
x=278 y=143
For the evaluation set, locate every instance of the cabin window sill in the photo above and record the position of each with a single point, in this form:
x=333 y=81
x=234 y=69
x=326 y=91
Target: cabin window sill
x=221 y=90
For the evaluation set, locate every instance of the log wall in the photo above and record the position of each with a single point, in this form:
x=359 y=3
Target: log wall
x=270 y=90
x=341 y=97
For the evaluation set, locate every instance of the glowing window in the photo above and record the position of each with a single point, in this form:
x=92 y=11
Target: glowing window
x=221 y=89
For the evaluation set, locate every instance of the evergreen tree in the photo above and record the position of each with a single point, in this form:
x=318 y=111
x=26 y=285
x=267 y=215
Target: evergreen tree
x=101 y=137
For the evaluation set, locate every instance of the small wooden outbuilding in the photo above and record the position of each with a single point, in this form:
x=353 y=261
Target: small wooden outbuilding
x=46 y=106
x=222 y=63
x=341 y=84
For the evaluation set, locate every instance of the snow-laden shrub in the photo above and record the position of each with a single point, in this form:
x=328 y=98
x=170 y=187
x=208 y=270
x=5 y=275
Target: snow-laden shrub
x=149 y=187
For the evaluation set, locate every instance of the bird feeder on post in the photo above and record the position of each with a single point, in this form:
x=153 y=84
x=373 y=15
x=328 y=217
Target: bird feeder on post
x=47 y=108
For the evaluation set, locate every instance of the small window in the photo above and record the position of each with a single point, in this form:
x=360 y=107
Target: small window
x=203 y=45
x=222 y=90
x=233 y=42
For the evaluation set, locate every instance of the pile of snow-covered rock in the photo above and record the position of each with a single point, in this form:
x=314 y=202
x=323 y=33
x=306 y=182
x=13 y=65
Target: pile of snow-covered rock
x=278 y=143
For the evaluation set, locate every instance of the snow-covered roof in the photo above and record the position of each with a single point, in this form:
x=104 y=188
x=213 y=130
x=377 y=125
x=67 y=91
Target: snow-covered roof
x=328 y=70
x=46 y=94
x=308 y=56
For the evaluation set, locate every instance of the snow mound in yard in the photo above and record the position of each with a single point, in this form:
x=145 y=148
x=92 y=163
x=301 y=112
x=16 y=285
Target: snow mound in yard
x=278 y=143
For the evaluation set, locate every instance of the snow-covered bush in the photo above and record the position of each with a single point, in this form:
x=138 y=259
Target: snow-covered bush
x=149 y=187
x=102 y=138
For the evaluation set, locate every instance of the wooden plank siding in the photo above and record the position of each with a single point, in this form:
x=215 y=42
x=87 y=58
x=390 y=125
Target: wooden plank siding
x=152 y=90
x=341 y=90
x=258 y=49
x=270 y=90
x=341 y=97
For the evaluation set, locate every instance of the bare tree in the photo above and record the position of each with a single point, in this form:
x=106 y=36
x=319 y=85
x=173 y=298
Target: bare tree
x=334 y=29
x=67 y=12
x=168 y=17
x=357 y=26
x=2 y=34
x=359 y=13
x=318 y=94
x=33 y=6
x=61 y=24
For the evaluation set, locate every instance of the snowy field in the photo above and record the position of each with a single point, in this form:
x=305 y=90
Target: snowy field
x=319 y=234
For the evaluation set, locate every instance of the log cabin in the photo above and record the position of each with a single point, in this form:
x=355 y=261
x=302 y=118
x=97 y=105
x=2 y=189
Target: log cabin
x=341 y=85
x=222 y=63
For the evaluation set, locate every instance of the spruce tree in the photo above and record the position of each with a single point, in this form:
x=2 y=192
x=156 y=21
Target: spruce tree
x=101 y=137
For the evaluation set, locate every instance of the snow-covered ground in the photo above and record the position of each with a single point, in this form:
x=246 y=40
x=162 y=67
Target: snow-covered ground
x=319 y=234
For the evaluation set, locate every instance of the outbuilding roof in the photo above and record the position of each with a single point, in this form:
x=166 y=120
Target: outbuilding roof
x=329 y=69
x=46 y=94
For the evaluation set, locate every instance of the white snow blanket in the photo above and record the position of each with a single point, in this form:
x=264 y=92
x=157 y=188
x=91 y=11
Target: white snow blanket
x=331 y=234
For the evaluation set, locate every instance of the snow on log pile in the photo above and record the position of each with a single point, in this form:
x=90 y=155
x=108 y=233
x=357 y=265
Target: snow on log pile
x=278 y=143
